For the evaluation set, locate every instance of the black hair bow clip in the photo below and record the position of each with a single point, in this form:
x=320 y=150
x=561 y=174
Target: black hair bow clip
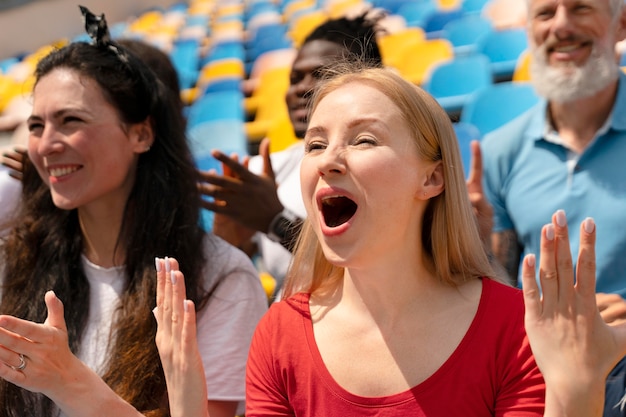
x=96 y=27
x=98 y=31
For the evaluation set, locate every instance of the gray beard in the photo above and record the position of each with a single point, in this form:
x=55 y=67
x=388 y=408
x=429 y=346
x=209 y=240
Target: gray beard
x=568 y=82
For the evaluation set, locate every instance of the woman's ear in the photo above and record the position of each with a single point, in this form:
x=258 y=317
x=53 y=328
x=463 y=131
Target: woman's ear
x=434 y=183
x=142 y=136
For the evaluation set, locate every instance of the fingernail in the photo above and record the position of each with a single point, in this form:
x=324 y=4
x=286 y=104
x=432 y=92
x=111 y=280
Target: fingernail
x=589 y=225
x=560 y=218
x=154 y=311
x=530 y=260
x=173 y=277
x=186 y=305
x=157 y=264
x=168 y=267
x=550 y=232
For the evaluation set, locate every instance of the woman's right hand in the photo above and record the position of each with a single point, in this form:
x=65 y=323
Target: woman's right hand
x=14 y=160
x=177 y=343
x=573 y=346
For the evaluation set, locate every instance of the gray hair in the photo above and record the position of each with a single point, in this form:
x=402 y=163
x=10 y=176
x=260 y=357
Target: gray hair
x=616 y=6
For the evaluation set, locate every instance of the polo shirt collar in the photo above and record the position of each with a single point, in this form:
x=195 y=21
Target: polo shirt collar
x=540 y=128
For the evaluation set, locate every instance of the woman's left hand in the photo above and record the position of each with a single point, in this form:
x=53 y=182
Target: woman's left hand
x=177 y=343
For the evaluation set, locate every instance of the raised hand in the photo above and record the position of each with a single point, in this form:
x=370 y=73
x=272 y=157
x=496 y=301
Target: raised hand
x=574 y=348
x=247 y=198
x=14 y=160
x=482 y=209
x=177 y=343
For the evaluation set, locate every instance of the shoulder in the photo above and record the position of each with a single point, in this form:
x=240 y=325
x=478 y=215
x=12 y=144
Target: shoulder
x=291 y=312
x=507 y=139
x=502 y=302
x=230 y=270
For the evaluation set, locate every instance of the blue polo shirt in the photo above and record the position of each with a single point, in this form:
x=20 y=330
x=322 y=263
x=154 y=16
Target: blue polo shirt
x=528 y=175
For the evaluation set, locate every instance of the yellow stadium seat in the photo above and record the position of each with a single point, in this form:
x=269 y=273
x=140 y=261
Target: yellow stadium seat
x=302 y=26
x=417 y=60
x=392 y=45
x=267 y=103
x=269 y=284
x=522 y=69
x=230 y=67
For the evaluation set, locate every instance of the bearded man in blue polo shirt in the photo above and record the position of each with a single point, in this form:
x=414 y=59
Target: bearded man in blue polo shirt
x=569 y=151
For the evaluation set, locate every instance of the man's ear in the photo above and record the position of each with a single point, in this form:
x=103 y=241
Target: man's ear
x=621 y=30
x=142 y=136
x=434 y=183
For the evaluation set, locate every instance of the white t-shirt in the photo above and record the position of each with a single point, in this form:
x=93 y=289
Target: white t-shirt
x=286 y=166
x=10 y=190
x=225 y=325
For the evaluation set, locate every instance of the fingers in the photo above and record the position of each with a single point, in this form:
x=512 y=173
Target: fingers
x=475 y=177
x=55 y=311
x=171 y=297
x=548 y=277
x=264 y=151
x=231 y=165
x=586 y=263
x=556 y=272
x=532 y=295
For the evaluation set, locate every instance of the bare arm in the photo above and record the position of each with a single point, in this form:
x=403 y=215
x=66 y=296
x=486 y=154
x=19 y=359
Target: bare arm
x=50 y=367
x=483 y=211
x=507 y=252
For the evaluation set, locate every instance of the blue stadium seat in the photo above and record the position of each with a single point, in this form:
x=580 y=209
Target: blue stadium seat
x=453 y=82
x=503 y=47
x=465 y=134
x=466 y=33
x=497 y=104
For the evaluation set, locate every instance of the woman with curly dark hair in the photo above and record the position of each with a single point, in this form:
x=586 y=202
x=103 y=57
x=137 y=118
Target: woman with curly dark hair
x=113 y=186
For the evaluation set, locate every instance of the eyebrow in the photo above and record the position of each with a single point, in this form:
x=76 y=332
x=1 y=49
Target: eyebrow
x=320 y=130
x=56 y=115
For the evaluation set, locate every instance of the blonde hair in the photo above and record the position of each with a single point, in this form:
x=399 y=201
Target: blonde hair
x=450 y=233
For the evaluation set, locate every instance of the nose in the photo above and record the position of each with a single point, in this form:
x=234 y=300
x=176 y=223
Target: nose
x=305 y=85
x=332 y=162
x=562 y=23
x=49 y=142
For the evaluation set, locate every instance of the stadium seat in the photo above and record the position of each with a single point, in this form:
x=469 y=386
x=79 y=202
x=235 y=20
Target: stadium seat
x=466 y=32
x=503 y=48
x=497 y=104
x=465 y=134
x=417 y=60
x=393 y=45
x=453 y=82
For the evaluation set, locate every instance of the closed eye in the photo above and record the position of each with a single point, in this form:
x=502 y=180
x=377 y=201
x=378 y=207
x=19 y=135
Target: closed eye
x=313 y=146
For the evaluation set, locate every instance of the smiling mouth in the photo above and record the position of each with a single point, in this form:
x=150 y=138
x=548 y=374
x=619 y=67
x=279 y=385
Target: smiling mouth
x=337 y=210
x=59 y=172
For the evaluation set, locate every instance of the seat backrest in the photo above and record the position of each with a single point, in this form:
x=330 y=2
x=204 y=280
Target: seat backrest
x=503 y=48
x=416 y=13
x=465 y=33
x=417 y=60
x=465 y=134
x=392 y=45
x=460 y=75
x=497 y=104
x=435 y=22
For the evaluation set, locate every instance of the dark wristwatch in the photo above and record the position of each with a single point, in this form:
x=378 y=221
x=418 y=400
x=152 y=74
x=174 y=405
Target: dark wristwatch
x=284 y=228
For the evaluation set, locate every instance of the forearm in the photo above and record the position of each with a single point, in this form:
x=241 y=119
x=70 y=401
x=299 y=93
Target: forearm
x=507 y=252
x=586 y=400
x=87 y=395
x=285 y=229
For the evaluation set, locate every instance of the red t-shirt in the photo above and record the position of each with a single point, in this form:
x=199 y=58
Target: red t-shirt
x=491 y=373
